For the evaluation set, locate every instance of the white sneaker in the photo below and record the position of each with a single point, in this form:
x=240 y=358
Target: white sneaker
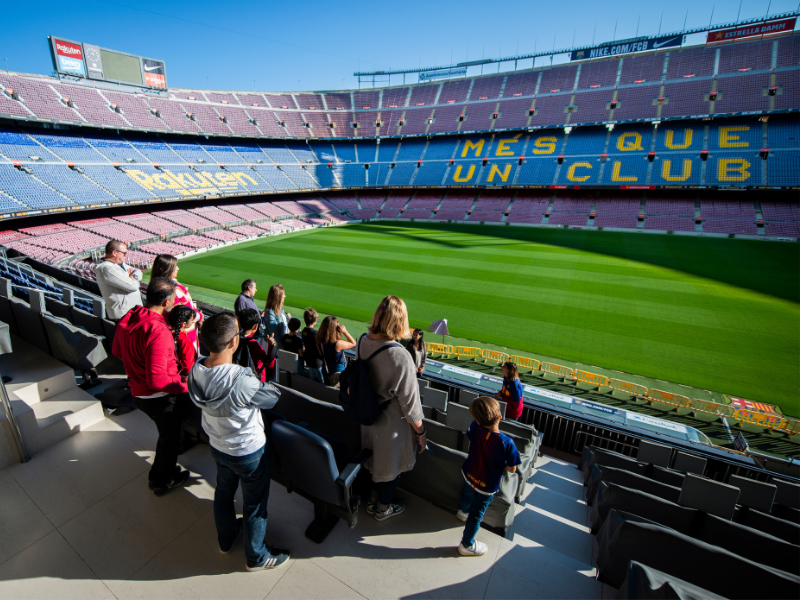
x=462 y=516
x=477 y=549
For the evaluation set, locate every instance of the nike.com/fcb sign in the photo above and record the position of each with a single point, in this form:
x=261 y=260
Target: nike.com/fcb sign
x=753 y=30
x=627 y=47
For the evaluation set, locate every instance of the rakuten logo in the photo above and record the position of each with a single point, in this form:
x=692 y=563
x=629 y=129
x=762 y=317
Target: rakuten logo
x=65 y=49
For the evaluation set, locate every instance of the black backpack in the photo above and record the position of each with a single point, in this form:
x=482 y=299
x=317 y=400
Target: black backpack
x=355 y=389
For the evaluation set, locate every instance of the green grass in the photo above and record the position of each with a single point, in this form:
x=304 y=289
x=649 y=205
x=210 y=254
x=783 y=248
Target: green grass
x=710 y=313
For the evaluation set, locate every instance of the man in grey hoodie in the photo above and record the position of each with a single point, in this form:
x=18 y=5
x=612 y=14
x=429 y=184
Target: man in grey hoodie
x=231 y=398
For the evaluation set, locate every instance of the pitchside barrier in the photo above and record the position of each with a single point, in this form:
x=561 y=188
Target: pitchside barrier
x=704 y=410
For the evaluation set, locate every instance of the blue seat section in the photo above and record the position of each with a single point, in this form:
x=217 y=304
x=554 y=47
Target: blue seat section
x=545 y=143
x=9 y=204
x=251 y=153
x=735 y=135
x=301 y=151
x=223 y=153
x=72 y=184
x=300 y=177
x=346 y=151
x=630 y=167
x=353 y=175
x=377 y=172
x=586 y=140
x=275 y=177
x=629 y=140
x=440 y=149
x=579 y=171
x=431 y=173
x=679 y=137
x=410 y=150
x=386 y=151
x=324 y=152
x=465 y=172
x=115 y=150
x=734 y=168
x=366 y=151
x=673 y=168
x=499 y=172
x=325 y=175
x=278 y=153
x=474 y=146
x=159 y=183
x=157 y=152
x=70 y=148
x=784 y=132
x=191 y=152
x=402 y=173
x=116 y=182
x=537 y=171
x=18 y=146
x=29 y=190
x=783 y=168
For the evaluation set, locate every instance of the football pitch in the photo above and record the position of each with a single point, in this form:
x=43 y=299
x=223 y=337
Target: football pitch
x=717 y=314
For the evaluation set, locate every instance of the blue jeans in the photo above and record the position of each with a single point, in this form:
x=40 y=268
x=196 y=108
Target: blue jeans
x=254 y=470
x=383 y=492
x=314 y=374
x=475 y=504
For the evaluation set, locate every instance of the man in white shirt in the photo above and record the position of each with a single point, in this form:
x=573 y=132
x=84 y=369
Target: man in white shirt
x=118 y=283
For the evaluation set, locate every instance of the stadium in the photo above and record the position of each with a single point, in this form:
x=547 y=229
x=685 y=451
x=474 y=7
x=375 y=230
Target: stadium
x=621 y=225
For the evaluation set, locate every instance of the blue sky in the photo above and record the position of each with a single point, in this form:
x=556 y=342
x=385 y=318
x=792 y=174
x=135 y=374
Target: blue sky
x=318 y=45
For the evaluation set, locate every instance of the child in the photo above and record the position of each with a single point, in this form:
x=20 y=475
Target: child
x=181 y=318
x=310 y=353
x=262 y=361
x=511 y=393
x=490 y=452
x=292 y=342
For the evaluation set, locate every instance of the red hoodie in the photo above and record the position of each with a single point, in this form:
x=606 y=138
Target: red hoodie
x=144 y=344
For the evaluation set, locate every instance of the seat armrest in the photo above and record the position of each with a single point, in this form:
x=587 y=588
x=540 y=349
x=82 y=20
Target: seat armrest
x=349 y=473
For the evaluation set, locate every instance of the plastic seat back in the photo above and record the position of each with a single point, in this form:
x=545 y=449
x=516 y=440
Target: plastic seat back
x=709 y=496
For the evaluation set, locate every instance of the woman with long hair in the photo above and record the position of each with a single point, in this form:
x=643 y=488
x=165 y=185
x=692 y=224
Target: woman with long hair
x=276 y=320
x=418 y=350
x=331 y=348
x=166 y=265
x=398 y=434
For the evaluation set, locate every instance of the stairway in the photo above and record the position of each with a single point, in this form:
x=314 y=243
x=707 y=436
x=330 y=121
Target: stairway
x=48 y=404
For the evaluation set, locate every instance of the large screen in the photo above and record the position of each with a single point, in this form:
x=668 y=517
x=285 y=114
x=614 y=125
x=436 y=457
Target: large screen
x=87 y=60
x=121 y=67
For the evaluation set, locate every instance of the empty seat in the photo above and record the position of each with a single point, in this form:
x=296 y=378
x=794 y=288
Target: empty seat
x=315 y=389
x=646 y=583
x=710 y=496
x=612 y=459
x=58 y=309
x=458 y=417
x=466 y=397
x=687 y=463
x=87 y=321
x=72 y=345
x=788 y=494
x=630 y=480
x=754 y=494
x=309 y=467
x=667 y=476
x=434 y=398
x=287 y=361
x=654 y=454
x=442 y=434
x=30 y=326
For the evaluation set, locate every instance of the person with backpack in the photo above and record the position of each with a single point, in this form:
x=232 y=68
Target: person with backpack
x=398 y=434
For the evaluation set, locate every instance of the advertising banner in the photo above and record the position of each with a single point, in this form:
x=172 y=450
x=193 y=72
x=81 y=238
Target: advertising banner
x=670 y=41
x=155 y=73
x=752 y=30
x=454 y=72
x=69 y=57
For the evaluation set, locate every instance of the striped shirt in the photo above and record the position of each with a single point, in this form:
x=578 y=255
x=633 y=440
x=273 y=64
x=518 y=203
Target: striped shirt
x=489 y=454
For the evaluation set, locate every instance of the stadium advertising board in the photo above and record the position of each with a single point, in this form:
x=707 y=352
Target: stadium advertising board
x=628 y=47
x=102 y=64
x=454 y=72
x=68 y=57
x=752 y=30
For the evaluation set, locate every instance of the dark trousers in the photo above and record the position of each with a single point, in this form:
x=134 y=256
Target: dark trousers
x=167 y=413
x=254 y=471
x=384 y=491
x=475 y=504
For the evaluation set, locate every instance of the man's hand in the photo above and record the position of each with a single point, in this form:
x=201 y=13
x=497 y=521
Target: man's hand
x=130 y=272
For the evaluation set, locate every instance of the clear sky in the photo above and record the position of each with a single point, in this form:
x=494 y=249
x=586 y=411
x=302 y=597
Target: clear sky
x=288 y=45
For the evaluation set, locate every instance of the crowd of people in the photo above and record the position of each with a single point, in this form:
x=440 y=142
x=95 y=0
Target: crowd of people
x=159 y=343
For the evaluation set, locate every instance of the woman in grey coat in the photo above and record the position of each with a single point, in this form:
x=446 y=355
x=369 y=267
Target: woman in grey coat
x=398 y=434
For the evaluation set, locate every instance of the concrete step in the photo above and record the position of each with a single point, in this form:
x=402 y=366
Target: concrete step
x=47 y=403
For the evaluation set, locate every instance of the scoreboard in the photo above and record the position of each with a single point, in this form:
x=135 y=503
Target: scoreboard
x=102 y=64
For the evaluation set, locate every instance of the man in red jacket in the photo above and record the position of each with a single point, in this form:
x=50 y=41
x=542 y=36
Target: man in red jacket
x=144 y=343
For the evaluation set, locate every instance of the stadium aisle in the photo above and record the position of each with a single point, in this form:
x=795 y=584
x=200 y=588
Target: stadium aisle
x=78 y=521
